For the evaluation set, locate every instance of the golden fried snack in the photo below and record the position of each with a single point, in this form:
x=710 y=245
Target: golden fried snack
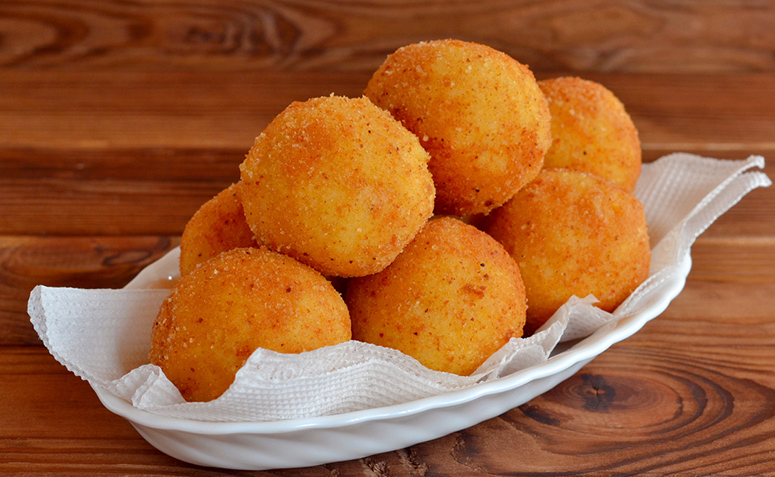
x=243 y=299
x=338 y=184
x=450 y=300
x=219 y=225
x=573 y=233
x=591 y=131
x=477 y=111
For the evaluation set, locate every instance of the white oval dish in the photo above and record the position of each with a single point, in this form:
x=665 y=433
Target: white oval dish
x=682 y=195
x=326 y=439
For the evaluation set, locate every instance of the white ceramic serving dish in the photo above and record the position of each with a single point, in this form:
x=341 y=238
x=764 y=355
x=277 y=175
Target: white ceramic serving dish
x=327 y=439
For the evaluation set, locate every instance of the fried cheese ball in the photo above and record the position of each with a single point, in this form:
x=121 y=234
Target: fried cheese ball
x=338 y=184
x=573 y=233
x=243 y=299
x=478 y=112
x=219 y=225
x=450 y=300
x=591 y=131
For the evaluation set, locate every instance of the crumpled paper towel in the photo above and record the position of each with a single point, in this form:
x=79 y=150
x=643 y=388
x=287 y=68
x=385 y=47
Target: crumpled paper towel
x=103 y=336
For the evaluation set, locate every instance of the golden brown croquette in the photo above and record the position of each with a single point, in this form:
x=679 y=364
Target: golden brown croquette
x=478 y=112
x=338 y=184
x=219 y=225
x=240 y=300
x=591 y=131
x=452 y=298
x=573 y=233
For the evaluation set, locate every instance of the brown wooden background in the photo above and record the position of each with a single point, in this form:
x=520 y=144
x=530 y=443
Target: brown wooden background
x=119 y=118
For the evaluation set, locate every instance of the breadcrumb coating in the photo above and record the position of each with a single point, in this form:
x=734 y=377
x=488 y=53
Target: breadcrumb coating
x=338 y=184
x=450 y=300
x=219 y=225
x=591 y=131
x=573 y=233
x=478 y=112
x=241 y=300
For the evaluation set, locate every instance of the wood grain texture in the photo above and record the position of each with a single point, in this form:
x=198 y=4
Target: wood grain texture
x=45 y=441
x=147 y=110
x=118 y=119
x=73 y=261
x=602 y=35
x=104 y=110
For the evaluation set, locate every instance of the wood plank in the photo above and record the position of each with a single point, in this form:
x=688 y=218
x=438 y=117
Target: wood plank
x=109 y=191
x=85 y=439
x=81 y=262
x=106 y=207
x=718 y=113
x=80 y=165
x=145 y=110
x=663 y=413
x=606 y=35
x=732 y=281
x=753 y=215
x=161 y=208
x=208 y=110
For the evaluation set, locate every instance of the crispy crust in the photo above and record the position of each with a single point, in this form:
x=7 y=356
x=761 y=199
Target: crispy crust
x=573 y=233
x=219 y=225
x=243 y=299
x=591 y=131
x=450 y=300
x=477 y=111
x=338 y=184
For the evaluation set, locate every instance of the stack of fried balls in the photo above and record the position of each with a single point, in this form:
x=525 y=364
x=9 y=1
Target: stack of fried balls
x=454 y=206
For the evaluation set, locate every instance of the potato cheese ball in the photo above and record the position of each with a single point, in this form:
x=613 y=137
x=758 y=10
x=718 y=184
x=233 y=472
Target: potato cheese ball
x=450 y=300
x=478 y=112
x=343 y=191
x=243 y=299
x=338 y=184
x=573 y=233
x=219 y=225
x=591 y=131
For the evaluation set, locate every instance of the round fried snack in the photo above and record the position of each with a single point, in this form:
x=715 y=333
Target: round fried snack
x=573 y=233
x=219 y=225
x=450 y=300
x=243 y=299
x=338 y=184
x=477 y=111
x=591 y=131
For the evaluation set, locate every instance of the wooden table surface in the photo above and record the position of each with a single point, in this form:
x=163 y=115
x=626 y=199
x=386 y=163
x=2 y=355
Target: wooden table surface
x=118 y=119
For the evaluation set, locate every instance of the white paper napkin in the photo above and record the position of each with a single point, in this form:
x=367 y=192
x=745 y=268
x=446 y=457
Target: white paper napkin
x=103 y=335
